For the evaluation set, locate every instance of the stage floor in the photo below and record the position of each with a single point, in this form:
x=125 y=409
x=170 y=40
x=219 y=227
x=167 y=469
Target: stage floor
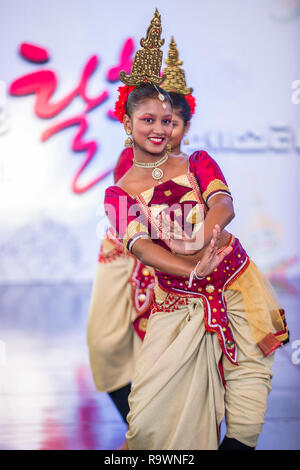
x=47 y=396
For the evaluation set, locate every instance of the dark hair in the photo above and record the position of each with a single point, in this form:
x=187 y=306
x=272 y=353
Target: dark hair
x=142 y=92
x=181 y=105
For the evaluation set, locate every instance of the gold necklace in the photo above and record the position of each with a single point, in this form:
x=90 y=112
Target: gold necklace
x=181 y=154
x=157 y=173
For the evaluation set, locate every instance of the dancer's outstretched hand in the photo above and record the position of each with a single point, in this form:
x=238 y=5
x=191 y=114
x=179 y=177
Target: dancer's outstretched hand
x=212 y=256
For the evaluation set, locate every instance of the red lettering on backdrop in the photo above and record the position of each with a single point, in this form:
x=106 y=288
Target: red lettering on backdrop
x=43 y=84
x=78 y=145
x=34 y=53
x=125 y=63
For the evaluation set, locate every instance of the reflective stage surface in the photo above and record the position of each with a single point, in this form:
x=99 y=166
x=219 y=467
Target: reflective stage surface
x=47 y=396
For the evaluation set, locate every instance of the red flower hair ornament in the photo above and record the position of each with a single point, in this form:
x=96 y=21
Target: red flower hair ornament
x=192 y=103
x=120 y=106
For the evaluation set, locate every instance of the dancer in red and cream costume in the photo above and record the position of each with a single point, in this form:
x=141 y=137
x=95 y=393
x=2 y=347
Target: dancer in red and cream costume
x=216 y=322
x=123 y=286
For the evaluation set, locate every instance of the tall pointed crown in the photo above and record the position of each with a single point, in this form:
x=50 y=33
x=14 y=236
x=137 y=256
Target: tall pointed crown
x=173 y=74
x=147 y=60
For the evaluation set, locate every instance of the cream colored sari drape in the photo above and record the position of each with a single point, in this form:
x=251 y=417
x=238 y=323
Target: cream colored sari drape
x=113 y=344
x=178 y=399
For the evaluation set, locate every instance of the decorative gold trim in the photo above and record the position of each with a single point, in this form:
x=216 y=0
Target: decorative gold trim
x=143 y=324
x=195 y=215
x=182 y=180
x=133 y=228
x=214 y=185
x=282 y=337
x=190 y=196
x=147 y=211
x=194 y=184
x=135 y=281
x=148 y=194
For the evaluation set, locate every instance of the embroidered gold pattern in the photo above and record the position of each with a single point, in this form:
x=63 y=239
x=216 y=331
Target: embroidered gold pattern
x=148 y=194
x=170 y=303
x=143 y=324
x=133 y=228
x=189 y=196
x=195 y=215
x=215 y=185
x=182 y=180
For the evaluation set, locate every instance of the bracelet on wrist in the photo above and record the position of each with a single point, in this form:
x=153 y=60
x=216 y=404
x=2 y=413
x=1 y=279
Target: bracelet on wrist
x=194 y=274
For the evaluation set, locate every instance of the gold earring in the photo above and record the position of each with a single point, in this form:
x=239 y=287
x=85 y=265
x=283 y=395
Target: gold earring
x=186 y=141
x=168 y=148
x=128 y=142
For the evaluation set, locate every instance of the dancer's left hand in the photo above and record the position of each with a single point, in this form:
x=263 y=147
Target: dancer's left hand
x=176 y=238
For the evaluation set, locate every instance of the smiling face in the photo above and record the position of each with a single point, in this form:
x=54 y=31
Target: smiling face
x=150 y=126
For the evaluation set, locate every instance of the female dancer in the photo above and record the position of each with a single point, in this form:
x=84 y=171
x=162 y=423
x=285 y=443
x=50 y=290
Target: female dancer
x=118 y=316
x=215 y=322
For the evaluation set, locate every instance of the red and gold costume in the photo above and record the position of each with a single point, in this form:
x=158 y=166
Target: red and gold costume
x=208 y=348
x=203 y=180
x=214 y=295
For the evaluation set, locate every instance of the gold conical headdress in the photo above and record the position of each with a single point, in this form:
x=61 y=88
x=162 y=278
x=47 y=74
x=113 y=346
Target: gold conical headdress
x=147 y=60
x=173 y=75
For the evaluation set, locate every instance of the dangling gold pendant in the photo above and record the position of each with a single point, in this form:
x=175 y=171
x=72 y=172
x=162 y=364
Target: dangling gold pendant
x=157 y=174
x=162 y=99
x=128 y=143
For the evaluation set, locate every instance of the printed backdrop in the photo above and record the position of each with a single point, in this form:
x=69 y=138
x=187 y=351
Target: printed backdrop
x=59 y=65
